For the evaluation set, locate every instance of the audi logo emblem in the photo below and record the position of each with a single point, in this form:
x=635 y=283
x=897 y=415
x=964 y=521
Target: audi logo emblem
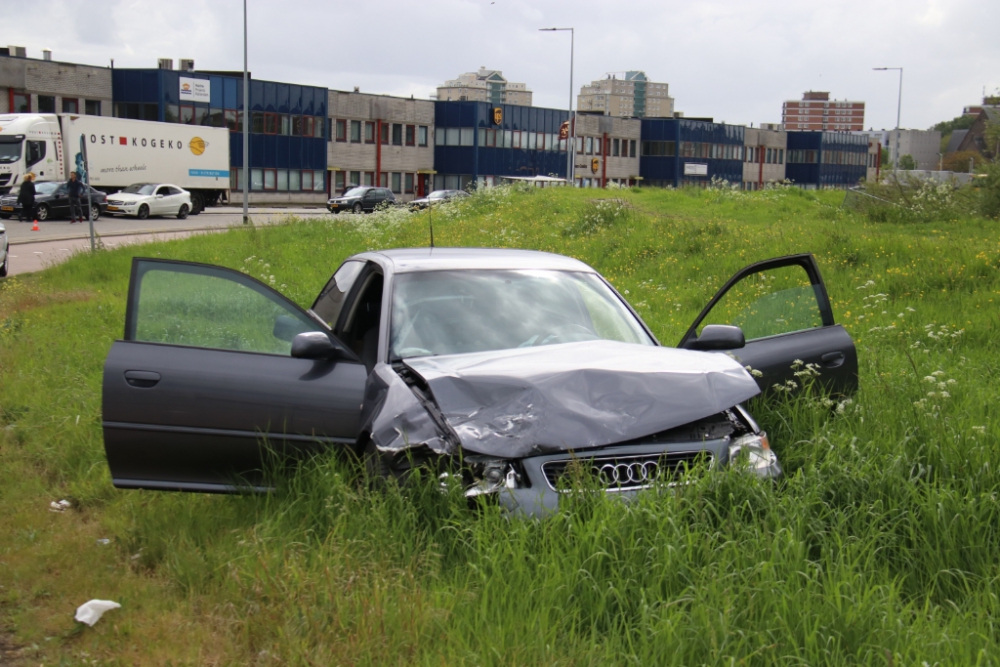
x=628 y=474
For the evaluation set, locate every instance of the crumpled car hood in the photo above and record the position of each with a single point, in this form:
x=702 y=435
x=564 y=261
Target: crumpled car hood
x=526 y=401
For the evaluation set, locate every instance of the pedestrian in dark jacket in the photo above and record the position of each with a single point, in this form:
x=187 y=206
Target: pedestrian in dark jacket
x=74 y=188
x=26 y=198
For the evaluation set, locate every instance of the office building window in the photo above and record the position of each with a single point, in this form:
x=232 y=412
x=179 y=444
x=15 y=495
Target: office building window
x=408 y=184
x=396 y=179
x=355 y=179
x=295 y=180
x=397 y=134
x=22 y=103
x=256 y=179
x=384 y=134
x=338 y=181
x=368 y=178
x=341 y=130
x=355 y=132
x=233 y=120
x=296 y=126
x=70 y=105
x=283 y=180
x=631 y=147
x=270 y=179
x=383 y=180
x=451 y=136
x=422 y=135
x=271 y=124
x=46 y=104
x=615 y=147
x=411 y=135
x=369 y=132
x=517 y=139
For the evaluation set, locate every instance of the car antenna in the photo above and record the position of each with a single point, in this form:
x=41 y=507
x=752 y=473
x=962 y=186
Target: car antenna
x=430 y=219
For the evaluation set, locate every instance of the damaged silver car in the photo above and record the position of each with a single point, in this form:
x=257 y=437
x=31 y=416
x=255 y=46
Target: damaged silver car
x=509 y=369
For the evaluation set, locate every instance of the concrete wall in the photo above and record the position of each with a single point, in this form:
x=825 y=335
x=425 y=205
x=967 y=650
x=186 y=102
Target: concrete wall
x=923 y=145
x=613 y=168
x=757 y=172
x=58 y=79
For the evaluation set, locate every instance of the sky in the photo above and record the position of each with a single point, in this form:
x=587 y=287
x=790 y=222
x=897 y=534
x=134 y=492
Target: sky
x=733 y=60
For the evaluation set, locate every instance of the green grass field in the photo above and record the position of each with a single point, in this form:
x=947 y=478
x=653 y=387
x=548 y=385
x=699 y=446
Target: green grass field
x=881 y=545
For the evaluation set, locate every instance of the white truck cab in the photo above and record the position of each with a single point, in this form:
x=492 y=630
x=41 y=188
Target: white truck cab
x=30 y=143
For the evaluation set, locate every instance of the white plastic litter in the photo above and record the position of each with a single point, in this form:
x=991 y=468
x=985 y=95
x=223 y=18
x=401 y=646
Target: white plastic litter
x=59 y=506
x=91 y=612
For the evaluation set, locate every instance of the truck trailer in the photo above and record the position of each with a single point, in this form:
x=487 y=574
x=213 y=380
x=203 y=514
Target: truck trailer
x=120 y=152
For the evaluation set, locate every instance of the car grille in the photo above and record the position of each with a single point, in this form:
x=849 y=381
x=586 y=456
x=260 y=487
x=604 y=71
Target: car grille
x=623 y=473
x=115 y=202
x=4 y=179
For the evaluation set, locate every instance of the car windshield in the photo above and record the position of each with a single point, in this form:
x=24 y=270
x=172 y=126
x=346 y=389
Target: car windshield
x=439 y=194
x=46 y=188
x=454 y=312
x=140 y=189
x=10 y=150
x=356 y=192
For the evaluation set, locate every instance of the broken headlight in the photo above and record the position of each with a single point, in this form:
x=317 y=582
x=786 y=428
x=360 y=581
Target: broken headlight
x=490 y=476
x=752 y=452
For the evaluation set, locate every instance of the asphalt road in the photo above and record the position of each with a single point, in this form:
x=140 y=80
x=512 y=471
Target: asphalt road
x=57 y=240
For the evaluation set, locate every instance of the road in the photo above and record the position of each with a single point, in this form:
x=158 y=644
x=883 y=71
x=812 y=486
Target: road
x=57 y=240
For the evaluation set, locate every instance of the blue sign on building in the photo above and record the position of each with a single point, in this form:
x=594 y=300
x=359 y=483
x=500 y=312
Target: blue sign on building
x=476 y=143
x=287 y=121
x=676 y=152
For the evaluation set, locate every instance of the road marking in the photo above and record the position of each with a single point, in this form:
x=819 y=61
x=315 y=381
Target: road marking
x=39 y=253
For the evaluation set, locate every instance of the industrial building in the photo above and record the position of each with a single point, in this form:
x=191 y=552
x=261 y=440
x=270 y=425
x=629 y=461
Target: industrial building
x=678 y=152
x=380 y=140
x=607 y=151
x=486 y=85
x=287 y=125
x=816 y=112
x=47 y=86
x=628 y=95
x=479 y=143
x=823 y=160
x=763 y=157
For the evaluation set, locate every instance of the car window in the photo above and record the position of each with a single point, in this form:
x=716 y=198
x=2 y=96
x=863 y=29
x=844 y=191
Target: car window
x=330 y=301
x=355 y=192
x=163 y=190
x=454 y=312
x=140 y=189
x=769 y=303
x=211 y=307
x=46 y=188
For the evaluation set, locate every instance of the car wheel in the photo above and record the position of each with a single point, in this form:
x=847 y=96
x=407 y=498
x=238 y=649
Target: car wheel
x=143 y=212
x=95 y=212
x=3 y=269
x=42 y=213
x=379 y=468
x=197 y=205
x=182 y=212
x=357 y=208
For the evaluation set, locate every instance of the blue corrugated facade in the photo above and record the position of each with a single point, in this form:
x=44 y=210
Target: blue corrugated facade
x=470 y=147
x=668 y=144
x=826 y=159
x=287 y=122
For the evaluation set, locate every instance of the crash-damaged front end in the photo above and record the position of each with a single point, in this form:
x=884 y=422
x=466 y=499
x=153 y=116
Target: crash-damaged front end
x=520 y=425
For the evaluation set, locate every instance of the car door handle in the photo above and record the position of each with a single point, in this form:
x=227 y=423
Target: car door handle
x=142 y=379
x=833 y=359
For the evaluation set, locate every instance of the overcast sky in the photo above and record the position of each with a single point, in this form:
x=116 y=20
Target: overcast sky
x=734 y=60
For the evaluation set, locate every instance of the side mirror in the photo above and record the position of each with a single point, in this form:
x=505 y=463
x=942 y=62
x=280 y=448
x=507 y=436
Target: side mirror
x=314 y=345
x=718 y=337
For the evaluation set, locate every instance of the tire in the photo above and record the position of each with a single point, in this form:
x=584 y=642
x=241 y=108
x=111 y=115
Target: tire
x=5 y=216
x=6 y=264
x=95 y=212
x=143 y=212
x=357 y=208
x=197 y=203
x=42 y=212
x=182 y=212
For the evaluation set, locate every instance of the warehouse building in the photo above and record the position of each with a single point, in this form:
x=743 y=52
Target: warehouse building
x=823 y=160
x=48 y=86
x=678 y=152
x=288 y=147
x=479 y=143
x=607 y=150
x=380 y=140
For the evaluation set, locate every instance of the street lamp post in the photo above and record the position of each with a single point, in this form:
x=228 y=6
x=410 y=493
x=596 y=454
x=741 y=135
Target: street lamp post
x=246 y=124
x=571 y=141
x=899 y=108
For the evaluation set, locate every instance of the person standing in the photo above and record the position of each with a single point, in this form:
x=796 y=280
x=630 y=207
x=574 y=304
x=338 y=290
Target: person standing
x=74 y=188
x=26 y=198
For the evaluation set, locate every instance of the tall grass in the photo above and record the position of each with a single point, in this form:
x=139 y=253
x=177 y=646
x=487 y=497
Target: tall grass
x=880 y=545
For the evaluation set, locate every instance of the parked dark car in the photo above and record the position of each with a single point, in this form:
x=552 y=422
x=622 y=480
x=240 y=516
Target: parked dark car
x=4 y=251
x=436 y=197
x=363 y=198
x=52 y=201
x=507 y=368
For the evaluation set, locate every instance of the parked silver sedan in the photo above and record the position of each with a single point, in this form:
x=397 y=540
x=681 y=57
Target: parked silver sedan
x=145 y=199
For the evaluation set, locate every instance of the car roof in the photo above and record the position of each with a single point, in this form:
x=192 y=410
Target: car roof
x=415 y=260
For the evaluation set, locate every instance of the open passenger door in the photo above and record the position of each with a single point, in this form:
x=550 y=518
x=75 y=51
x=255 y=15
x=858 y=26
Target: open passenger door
x=781 y=306
x=205 y=383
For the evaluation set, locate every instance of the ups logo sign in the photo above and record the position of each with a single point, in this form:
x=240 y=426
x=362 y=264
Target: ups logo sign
x=498 y=116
